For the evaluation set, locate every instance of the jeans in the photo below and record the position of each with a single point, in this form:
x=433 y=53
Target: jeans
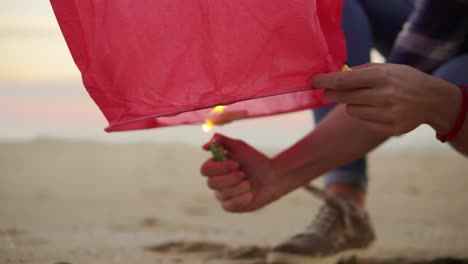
x=375 y=24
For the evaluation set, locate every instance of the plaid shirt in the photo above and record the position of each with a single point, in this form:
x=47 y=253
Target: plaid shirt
x=436 y=31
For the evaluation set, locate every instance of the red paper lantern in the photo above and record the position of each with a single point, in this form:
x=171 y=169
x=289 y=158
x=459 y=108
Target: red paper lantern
x=155 y=63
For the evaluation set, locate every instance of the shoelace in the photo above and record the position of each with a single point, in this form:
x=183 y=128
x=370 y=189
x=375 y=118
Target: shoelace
x=329 y=213
x=324 y=220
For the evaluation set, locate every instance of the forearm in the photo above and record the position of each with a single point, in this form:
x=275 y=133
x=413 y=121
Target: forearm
x=336 y=141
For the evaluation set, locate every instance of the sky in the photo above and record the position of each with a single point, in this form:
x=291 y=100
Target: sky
x=41 y=94
x=31 y=46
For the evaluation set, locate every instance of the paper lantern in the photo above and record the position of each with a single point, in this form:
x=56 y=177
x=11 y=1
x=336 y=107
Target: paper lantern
x=156 y=63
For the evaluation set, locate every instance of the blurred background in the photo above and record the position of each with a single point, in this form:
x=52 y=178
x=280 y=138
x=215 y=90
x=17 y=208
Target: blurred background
x=65 y=197
x=42 y=96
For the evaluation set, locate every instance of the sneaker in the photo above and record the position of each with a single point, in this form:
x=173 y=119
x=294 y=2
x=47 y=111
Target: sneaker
x=338 y=231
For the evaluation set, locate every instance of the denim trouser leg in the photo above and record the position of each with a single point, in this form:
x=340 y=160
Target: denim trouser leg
x=354 y=173
x=454 y=70
x=358 y=16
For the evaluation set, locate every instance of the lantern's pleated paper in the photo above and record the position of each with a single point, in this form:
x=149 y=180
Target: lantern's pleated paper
x=156 y=63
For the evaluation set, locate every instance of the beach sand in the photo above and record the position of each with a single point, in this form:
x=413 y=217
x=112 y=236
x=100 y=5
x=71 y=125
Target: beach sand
x=78 y=202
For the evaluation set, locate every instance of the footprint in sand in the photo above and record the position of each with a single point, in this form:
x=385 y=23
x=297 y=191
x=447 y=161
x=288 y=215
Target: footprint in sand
x=150 y=222
x=187 y=247
x=212 y=250
x=147 y=222
x=12 y=232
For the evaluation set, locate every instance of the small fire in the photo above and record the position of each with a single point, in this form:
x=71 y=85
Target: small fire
x=208 y=125
x=218 y=109
x=346 y=68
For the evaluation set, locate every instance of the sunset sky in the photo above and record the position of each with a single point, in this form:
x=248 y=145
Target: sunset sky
x=31 y=46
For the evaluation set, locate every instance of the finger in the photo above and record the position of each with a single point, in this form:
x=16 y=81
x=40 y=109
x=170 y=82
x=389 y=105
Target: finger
x=215 y=168
x=225 y=181
x=222 y=139
x=238 y=204
x=226 y=142
x=231 y=192
x=366 y=65
x=359 y=78
x=216 y=137
x=228 y=116
x=360 y=96
x=367 y=113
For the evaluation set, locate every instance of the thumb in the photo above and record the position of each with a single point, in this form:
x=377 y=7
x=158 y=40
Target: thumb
x=227 y=142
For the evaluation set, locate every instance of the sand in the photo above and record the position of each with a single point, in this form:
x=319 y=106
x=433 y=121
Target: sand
x=78 y=202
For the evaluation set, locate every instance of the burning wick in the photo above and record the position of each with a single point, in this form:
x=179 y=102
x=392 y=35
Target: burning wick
x=217 y=150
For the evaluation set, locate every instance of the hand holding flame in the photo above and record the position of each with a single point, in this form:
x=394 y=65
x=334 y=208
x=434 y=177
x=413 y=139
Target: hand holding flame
x=218 y=116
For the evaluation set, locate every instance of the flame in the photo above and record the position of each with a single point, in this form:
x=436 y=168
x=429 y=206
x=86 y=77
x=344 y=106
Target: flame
x=346 y=68
x=208 y=125
x=218 y=109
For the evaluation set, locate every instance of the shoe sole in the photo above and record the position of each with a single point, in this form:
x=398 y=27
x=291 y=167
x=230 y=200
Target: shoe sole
x=286 y=258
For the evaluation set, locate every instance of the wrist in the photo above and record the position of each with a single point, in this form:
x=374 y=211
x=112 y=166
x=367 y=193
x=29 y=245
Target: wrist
x=459 y=123
x=291 y=172
x=280 y=173
x=445 y=108
x=280 y=182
